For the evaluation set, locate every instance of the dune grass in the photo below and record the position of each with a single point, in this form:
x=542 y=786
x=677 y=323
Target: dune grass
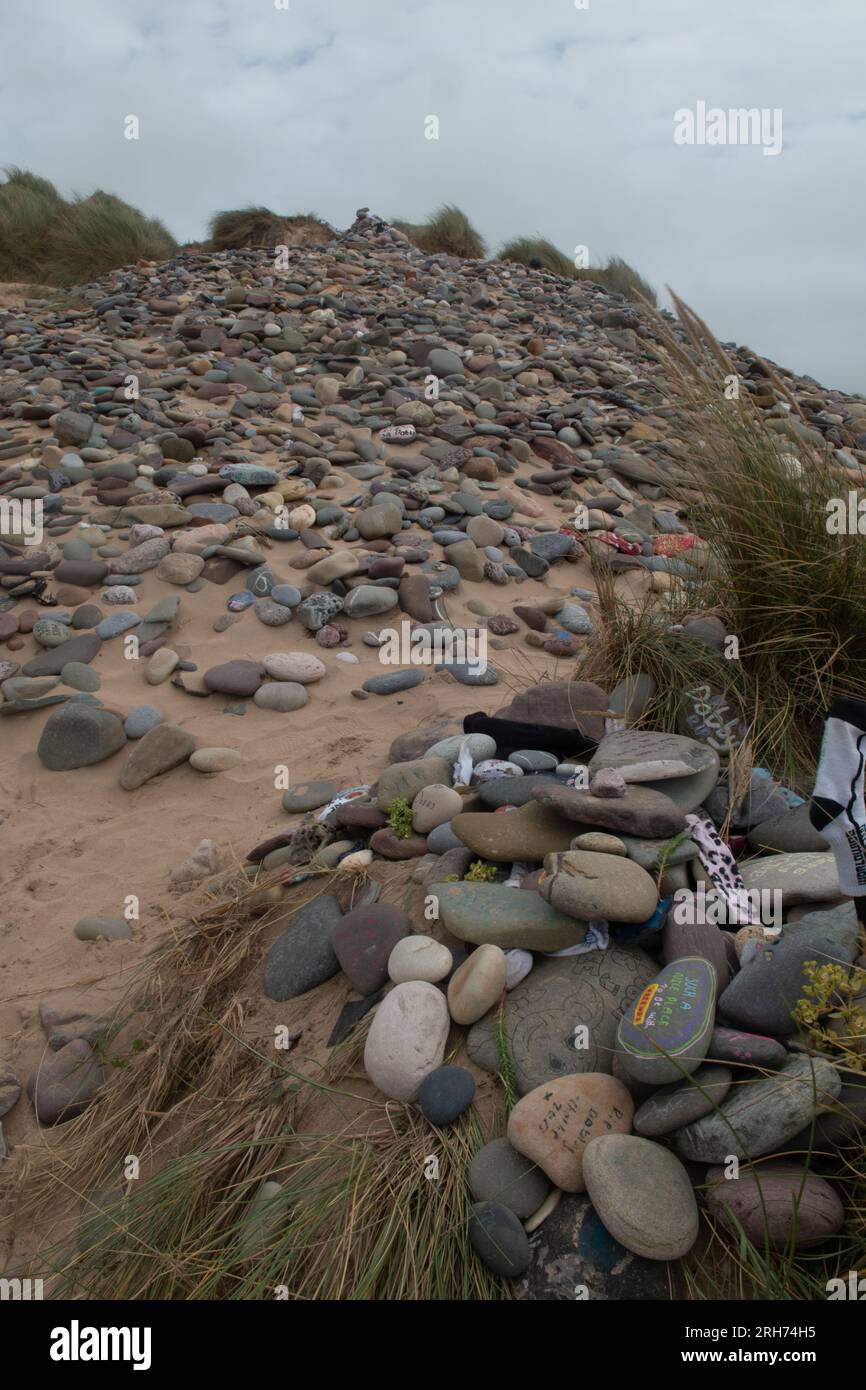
x=446 y=232
x=50 y=240
x=238 y=229
x=372 y=1201
x=617 y=275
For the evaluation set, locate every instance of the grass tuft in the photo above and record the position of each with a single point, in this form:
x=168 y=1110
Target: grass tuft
x=447 y=232
x=239 y=229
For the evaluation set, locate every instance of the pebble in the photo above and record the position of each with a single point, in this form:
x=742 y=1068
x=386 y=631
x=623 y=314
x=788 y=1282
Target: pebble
x=141 y=719
x=303 y=956
x=65 y=1082
x=477 y=984
x=281 y=696
x=554 y=1123
x=302 y=668
x=407 y=1038
x=419 y=957
x=364 y=940
x=102 y=929
x=308 y=796
x=643 y=1195
x=214 y=759
x=674 y=1106
x=667 y=1029
x=162 y=748
x=78 y=735
x=499 y=1239
x=498 y=1173
x=760 y=1118
x=592 y=886
x=779 y=1204
x=445 y=1094
x=491 y=914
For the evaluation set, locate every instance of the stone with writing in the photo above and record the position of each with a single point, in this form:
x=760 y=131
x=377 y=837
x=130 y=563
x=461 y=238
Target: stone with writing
x=667 y=1030
x=553 y=1124
x=712 y=718
x=563 y=1017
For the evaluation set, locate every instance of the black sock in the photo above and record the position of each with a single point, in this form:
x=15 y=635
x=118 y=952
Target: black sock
x=565 y=744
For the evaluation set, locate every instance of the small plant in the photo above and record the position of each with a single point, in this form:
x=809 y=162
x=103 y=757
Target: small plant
x=831 y=1013
x=506 y=1064
x=479 y=872
x=400 y=818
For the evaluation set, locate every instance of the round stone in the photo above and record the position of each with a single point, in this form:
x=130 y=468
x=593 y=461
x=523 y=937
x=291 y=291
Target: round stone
x=477 y=984
x=498 y=1239
x=445 y=1094
x=407 y=1039
x=596 y=842
x=434 y=805
x=774 y=1202
x=141 y=719
x=214 y=759
x=281 y=696
x=419 y=957
x=179 y=568
x=643 y=1195
x=102 y=929
x=79 y=676
x=308 y=796
x=498 y=1173
x=301 y=667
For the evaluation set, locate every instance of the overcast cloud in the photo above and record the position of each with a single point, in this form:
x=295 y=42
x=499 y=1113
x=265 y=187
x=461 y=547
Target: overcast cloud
x=553 y=119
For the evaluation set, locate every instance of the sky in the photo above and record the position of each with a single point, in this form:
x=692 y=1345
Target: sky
x=555 y=117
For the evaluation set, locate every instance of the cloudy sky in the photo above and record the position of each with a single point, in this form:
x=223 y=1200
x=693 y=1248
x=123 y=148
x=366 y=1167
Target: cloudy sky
x=553 y=119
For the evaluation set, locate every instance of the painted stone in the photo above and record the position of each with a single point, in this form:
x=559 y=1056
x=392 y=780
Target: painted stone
x=667 y=1030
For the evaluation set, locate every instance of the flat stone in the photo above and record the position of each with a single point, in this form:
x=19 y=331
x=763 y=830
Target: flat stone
x=79 y=676
x=760 y=1117
x=779 y=1204
x=564 y=704
x=82 y=648
x=308 y=796
x=394 y=681
x=162 y=748
x=491 y=913
x=554 y=1123
x=672 y=1107
x=102 y=929
x=633 y=746
x=407 y=1038
x=800 y=878
x=641 y=812
x=545 y=1013
x=572 y=1254
x=363 y=942
x=748 y=1049
x=303 y=955
x=643 y=1195
x=666 y=1031
x=527 y=833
